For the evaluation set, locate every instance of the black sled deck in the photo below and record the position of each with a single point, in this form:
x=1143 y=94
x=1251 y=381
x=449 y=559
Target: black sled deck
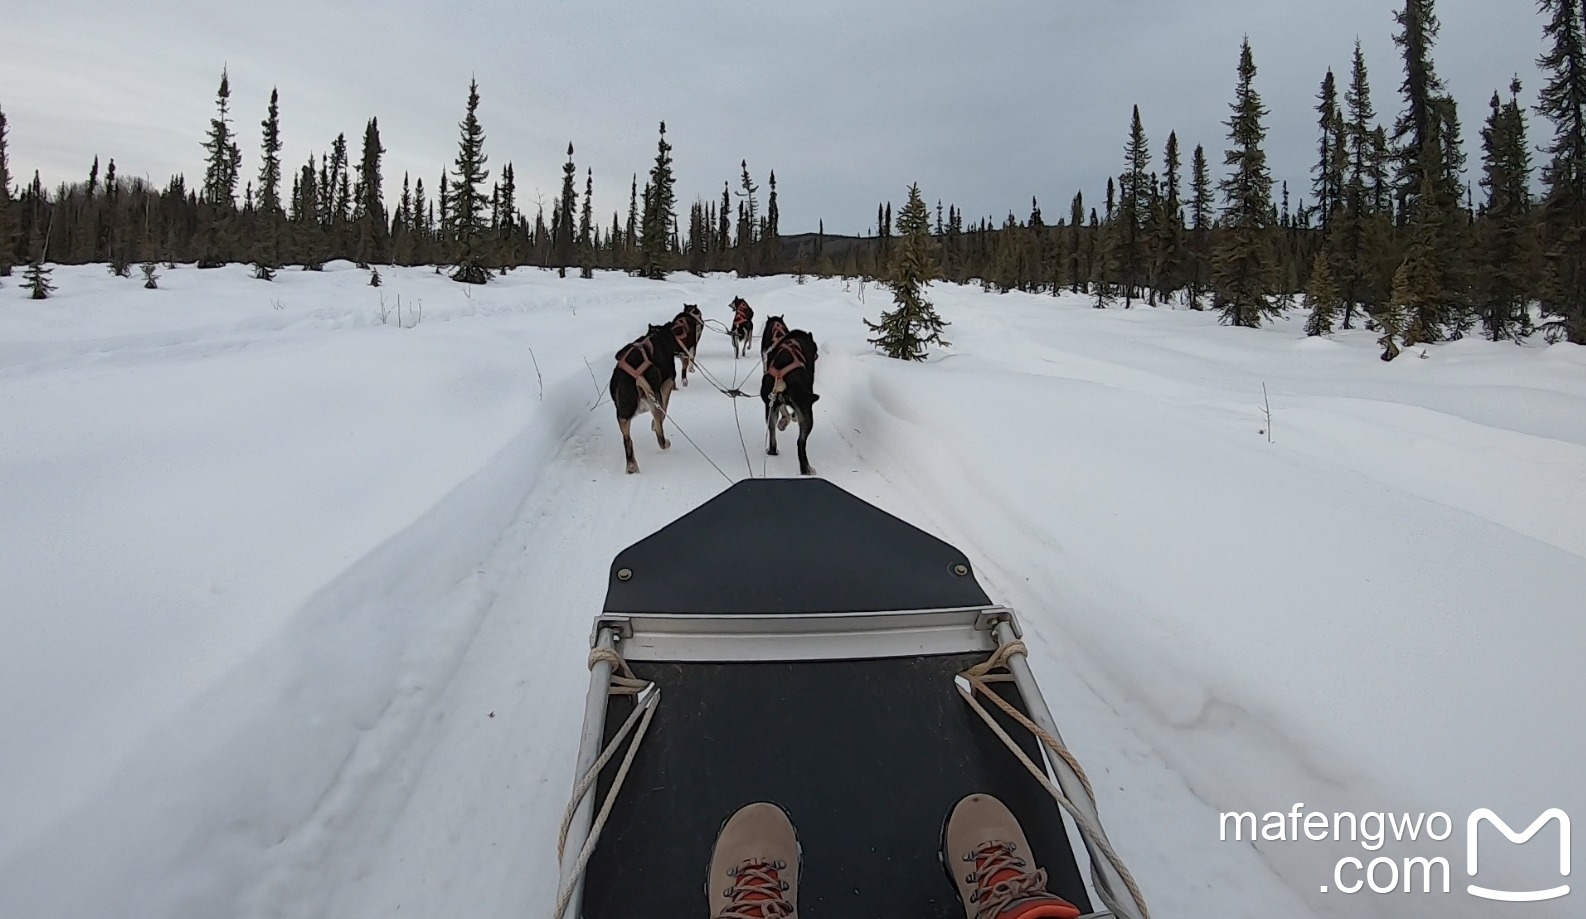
x=806 y=648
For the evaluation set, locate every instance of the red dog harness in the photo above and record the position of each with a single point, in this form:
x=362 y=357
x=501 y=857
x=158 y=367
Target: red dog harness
x=791 y=347
x=778 y=332
x=740 y=312
x=680 y=329
x=644 y=347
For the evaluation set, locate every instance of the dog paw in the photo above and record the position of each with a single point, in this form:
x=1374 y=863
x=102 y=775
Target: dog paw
x=632 y=468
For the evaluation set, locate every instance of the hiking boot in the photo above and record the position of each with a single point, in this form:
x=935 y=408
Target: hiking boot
x=985 y=851
x=754 y=870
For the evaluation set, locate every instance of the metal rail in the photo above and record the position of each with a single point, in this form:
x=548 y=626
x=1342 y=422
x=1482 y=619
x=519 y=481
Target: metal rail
x=1104 y=875
x=589 y=745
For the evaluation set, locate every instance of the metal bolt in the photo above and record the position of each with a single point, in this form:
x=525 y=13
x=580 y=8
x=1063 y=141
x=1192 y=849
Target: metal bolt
x=960 y=569
x=624 y=574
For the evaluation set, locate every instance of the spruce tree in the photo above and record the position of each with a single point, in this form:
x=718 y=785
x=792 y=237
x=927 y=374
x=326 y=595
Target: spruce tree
x=1359 y=224
x=1416 y=305
x=443 y=235
x=267 y=228
x=225 y=157
x=308 y=231
x=1078 y=271
x=748 y=222
x=339 y=194
x=325 y=191
x=660 y=197
x=1322 y=296
x=630 y=233
x=907 y=330
x=1134 y=206
x=1032 y=253
x=269 y=200
x=220 y=178
x=1422 y=90
x=1430 y=158
x=564 y=242
x=423 y=226
x=1563 y=101
x=1168 y=228
x=771 y=262
x=1327 y=185
x=372 y=236
x=404 y=232
x=1200 y=228
x=508 y=232
x=1004 y=269
x=884 y=259
x=37 y=277
x=586 y=245
x=1508 y=256
x=9 y=222
x=467 y=201
x=1105 y=263
x=120 y=248
x=1244 y=266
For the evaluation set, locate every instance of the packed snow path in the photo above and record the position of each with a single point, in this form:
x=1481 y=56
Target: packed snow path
x=297 y=601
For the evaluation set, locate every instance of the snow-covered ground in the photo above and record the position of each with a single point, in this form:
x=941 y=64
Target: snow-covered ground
x=294 y=603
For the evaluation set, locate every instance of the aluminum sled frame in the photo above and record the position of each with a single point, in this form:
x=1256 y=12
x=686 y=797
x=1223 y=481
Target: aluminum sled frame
x=806 y=645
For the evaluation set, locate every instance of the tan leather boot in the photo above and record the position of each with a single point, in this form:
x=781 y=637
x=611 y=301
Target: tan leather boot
x=986 y=852
x=754 y=870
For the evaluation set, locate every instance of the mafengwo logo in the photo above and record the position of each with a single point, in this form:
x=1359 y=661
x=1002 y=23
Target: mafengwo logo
x=1473 y=846
x=1407 y=874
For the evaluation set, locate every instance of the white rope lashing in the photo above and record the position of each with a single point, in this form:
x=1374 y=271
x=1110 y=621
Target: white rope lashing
x=979 y=677
x=648 y=696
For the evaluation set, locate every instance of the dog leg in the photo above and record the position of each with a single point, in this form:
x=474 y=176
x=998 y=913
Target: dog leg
x=770 y=427
x=658 y=416
x=806 y=422
x=627 y=444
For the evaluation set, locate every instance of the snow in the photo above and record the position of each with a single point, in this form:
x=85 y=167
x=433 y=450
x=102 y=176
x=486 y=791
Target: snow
x=296 y=602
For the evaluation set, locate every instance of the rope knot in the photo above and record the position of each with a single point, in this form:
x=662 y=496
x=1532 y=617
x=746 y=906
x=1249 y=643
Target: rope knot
x=979 y=677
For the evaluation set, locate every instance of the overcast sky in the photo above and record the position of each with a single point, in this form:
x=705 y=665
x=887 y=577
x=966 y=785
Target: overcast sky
x=983 y=103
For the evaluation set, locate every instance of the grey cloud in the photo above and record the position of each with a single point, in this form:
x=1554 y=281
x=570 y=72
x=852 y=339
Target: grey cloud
x=984 y=104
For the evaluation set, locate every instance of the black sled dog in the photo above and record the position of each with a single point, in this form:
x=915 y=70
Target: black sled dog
x=788 y=390
x=742 y=326
x=646 y=374
x=686 y=329
x=775 y=330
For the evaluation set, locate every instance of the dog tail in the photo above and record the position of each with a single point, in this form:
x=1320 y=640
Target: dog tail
x=779 y=386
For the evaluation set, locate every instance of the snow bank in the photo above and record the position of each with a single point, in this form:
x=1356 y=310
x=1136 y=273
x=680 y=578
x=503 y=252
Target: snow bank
x=297 y=601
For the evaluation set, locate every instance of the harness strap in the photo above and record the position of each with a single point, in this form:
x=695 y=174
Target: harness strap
x=778 y=332
x=645 y=348
x=680 y=329
x=790 y=346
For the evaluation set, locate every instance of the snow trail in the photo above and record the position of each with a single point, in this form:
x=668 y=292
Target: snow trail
x=306 y=633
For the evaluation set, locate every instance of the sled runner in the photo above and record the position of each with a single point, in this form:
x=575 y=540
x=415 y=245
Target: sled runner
x=788 y=642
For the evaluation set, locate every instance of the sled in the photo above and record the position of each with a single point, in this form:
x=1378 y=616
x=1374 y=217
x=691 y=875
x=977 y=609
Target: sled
x=788 y=642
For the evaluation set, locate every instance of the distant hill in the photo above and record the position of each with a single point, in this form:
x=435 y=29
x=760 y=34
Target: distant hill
x=835 y=247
